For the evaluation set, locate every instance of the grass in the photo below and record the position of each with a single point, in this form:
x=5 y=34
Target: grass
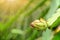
x=18 y=26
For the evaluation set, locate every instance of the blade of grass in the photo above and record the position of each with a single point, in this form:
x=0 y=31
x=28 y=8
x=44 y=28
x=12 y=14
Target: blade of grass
x=32 y=37
x=53 y=7
x=9 y=23
x=54 y=20
x=32 y=10
x=43 y=13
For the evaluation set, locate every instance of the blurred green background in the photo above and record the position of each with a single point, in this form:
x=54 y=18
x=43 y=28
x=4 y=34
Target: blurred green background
x=17 y=15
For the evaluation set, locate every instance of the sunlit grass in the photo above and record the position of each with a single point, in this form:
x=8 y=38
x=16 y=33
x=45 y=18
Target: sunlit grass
x=17 y=15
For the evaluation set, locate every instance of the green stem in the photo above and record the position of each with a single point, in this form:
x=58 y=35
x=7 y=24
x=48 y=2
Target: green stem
x=34 y=9
x=33 y=36
x=54 y=20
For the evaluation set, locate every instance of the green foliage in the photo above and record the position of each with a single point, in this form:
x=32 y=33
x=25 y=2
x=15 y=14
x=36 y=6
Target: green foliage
x=18 y=27
x=56 y=36
x=48 y=36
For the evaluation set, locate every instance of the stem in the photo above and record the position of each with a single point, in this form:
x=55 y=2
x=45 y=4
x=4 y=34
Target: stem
x=32 y=37
x=54 y=20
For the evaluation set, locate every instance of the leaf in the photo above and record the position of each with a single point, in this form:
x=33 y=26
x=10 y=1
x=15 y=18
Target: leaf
x=47 y=34
x=54 y=20
x=17 y=31
x=53 y=7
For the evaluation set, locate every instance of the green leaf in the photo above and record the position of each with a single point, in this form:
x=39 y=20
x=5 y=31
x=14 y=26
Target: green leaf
x=17 y=31
x=54 y=20
x=53 y=7
x=47 y=34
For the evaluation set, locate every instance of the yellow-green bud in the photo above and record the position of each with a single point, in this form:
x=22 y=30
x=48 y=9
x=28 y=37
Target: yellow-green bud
x=39 y=24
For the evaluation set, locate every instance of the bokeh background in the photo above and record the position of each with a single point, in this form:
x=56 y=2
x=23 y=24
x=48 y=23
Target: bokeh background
x=17 y=15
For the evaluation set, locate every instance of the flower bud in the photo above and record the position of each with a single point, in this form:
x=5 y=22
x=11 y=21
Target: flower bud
x=39 y=24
